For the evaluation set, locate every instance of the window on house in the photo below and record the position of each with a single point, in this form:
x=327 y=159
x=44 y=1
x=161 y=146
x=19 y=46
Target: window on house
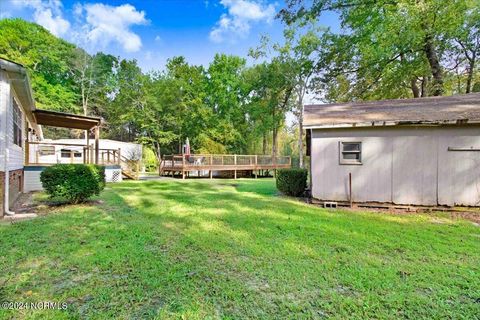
x=350 y=153
x=65 y=153
x=46 y=150
x=17 y=124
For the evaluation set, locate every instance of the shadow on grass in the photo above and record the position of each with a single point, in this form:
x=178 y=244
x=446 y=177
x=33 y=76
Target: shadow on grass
x=229 y=248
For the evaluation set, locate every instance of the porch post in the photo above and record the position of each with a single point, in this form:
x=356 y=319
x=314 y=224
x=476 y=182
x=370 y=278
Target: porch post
x=27 y=151
x=88 y=147
x=97 y=143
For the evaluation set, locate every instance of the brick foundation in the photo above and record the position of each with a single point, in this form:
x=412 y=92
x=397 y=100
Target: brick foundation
x=15 y=183
x=2 y=192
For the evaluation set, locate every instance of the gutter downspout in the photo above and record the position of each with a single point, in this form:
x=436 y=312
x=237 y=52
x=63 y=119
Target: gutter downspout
x=7 y=179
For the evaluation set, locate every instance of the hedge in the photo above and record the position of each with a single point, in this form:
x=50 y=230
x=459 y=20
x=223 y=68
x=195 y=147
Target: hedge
x=74 y=183
x=292 y=182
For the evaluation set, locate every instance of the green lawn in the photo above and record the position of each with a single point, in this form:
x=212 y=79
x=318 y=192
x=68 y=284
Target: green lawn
x=228 y=249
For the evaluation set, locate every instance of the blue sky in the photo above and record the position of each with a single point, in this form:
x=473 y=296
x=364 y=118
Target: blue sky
x=152 y=31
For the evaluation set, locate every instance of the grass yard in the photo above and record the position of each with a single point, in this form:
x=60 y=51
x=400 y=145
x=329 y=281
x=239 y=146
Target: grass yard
x=228 y=249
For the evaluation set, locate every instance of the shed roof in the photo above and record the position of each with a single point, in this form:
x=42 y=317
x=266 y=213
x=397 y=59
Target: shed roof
x=456 y=109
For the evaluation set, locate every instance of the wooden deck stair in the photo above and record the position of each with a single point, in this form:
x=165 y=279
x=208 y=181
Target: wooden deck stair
x=130 y=168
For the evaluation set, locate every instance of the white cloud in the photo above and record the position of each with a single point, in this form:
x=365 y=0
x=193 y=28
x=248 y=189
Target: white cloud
x=106 y=24
x=241 y=14
x=48 y=14
x=157 y=38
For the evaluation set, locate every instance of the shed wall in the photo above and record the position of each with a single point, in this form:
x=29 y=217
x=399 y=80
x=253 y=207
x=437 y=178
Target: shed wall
x=403 y=165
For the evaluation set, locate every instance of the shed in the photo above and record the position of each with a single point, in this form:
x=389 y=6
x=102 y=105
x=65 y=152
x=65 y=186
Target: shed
x=423 y=151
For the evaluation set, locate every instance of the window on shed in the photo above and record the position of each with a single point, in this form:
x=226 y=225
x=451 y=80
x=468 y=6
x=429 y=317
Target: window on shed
x=17 y=124
x=350 y=153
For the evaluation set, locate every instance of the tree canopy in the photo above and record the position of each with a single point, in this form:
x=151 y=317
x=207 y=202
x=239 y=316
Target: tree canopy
x=384 y=49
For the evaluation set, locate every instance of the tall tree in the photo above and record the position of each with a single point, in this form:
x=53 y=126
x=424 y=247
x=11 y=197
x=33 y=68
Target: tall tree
x=392 y=43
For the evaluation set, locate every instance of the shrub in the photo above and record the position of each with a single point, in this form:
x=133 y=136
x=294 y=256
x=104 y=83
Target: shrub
x=292 y=182
x=73 y=182
x=149 y=160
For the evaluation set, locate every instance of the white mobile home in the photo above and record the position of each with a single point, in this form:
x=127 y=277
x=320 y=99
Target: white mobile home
x=72 y=151
x=422 y=151
x=17 y=124
x=22 y=143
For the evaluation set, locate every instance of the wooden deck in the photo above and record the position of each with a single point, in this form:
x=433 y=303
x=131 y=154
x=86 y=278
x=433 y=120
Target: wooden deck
x=183 y=164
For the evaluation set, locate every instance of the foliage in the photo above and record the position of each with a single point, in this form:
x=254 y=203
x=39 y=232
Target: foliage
x=149 y=160
x=73 y=182
x=48 y=59
x=292 y=182
x=234 y=250
x=393 y=49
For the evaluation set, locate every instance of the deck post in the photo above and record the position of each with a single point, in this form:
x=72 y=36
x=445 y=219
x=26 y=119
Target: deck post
x=27 y=152
x=87 y=132
x=71 y=156
x=211 y=163
x=235 y=163
x=119 y=159
x=97 y=143
x=183 y=166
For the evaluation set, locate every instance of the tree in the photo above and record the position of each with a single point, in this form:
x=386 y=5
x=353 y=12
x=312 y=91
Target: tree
x=271 y=97
x=48 y=59
x=466 y=43
x=392 y=44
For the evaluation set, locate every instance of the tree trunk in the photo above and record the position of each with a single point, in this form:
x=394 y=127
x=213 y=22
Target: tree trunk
x=300 y=133
x=274 y=142
x=471 y=69
x=435 y=67
x=415 y=89
x=264 y=146
x=424 y=87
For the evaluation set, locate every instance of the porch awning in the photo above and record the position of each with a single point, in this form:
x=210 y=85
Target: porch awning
x=65 y=120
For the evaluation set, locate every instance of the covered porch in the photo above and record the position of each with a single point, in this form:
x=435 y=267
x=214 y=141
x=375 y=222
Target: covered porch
x=39 y=152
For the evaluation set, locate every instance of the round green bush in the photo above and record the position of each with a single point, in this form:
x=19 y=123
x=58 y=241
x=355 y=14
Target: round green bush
x=292 y=182
x=73 y=182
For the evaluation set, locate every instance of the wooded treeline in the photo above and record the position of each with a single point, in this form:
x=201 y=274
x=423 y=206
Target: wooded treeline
x=385 y=49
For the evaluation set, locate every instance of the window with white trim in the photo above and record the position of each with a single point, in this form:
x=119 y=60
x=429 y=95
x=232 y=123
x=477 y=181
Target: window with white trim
x=46 y=150
x=17 y=124
x=350 y=152
x=67 y=153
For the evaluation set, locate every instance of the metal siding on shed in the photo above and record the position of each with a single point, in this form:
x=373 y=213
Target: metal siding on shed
x=459 y=171
x=408 y=165
x=414 y=167
x=370 y=181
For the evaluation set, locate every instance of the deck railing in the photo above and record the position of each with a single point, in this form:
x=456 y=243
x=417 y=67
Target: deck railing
x=223 y=160
x=48 y=153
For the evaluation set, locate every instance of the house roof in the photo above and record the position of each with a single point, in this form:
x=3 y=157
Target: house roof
x=458 y=109
x=20 y=82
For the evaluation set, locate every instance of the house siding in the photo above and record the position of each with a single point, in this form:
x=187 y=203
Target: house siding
x=16 y=153
x=15 y=160
x=403 y=165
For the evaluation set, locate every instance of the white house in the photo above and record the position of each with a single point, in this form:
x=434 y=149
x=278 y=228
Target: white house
x=16 y=123
x=422 y=151
x=71 y=151
x=22 y=145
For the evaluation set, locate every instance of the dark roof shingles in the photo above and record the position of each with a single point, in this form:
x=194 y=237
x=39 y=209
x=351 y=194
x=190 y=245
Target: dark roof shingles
x=431 y=109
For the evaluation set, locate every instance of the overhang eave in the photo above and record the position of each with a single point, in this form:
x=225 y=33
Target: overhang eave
x=65 y=120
